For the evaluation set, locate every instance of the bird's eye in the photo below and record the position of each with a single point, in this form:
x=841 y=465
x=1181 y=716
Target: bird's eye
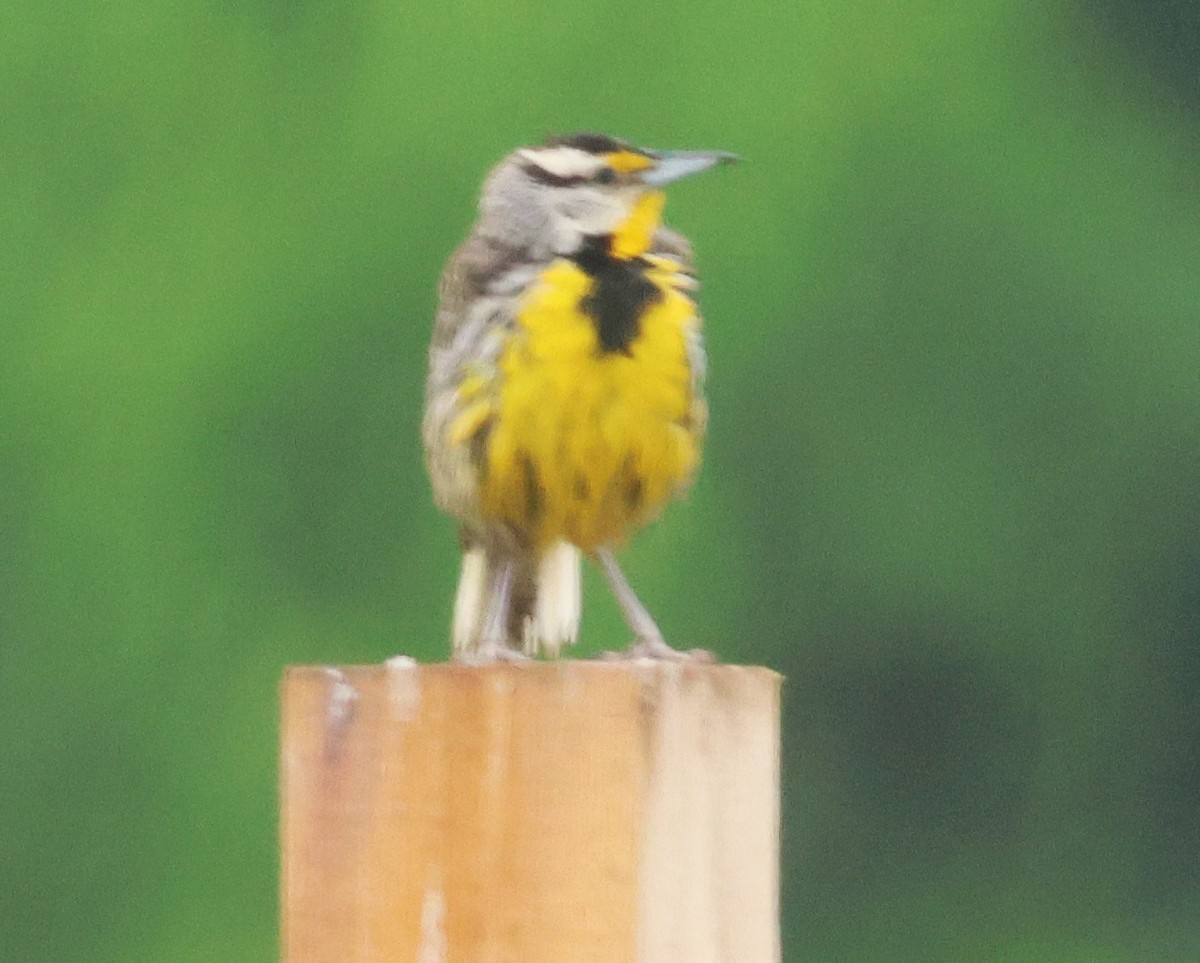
x=606 y=175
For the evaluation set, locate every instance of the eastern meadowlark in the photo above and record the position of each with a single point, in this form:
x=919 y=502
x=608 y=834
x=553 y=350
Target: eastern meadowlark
x=564 y=403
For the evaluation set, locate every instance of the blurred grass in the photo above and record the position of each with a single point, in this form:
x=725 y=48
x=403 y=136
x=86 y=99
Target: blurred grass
x=950 y=488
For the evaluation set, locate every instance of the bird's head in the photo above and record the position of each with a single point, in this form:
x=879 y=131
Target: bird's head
x=554 y=197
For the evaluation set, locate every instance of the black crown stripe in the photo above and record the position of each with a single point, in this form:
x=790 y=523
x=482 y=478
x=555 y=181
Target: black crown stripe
x=590 y=142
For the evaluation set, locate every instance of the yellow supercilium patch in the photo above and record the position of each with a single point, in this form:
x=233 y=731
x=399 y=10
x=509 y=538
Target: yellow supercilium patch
x=628 y=161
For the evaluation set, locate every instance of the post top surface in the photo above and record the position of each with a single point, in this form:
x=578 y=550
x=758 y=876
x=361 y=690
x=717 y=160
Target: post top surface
x=643 y=668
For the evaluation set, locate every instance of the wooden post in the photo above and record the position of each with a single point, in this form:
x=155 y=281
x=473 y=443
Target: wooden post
x=564 y=812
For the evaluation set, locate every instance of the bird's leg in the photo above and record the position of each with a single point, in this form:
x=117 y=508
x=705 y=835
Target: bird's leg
x=648 y=641
x=493 y=634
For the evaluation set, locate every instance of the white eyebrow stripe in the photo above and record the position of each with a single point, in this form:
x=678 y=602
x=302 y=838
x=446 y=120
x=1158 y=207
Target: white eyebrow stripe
x=563 y=161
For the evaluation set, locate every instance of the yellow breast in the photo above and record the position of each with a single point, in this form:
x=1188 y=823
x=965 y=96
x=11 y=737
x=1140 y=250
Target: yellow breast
x=586 y=444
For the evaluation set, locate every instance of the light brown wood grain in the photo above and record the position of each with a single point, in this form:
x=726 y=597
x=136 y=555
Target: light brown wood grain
x=615 y=812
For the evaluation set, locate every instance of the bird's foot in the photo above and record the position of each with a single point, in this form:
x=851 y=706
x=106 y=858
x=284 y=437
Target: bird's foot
x=656 y=649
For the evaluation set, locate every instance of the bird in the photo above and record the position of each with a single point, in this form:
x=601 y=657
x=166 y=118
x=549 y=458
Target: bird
x=564 y=402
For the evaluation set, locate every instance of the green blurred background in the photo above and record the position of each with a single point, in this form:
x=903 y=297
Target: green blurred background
x=951 y=486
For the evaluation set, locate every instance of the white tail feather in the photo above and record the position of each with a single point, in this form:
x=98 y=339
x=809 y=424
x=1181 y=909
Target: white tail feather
x=469 y=601
x=556 y=612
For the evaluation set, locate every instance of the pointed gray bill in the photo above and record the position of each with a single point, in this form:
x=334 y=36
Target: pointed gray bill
x=673 y=164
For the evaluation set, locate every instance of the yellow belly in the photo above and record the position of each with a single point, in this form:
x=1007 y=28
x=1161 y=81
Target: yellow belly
x=587 y=444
